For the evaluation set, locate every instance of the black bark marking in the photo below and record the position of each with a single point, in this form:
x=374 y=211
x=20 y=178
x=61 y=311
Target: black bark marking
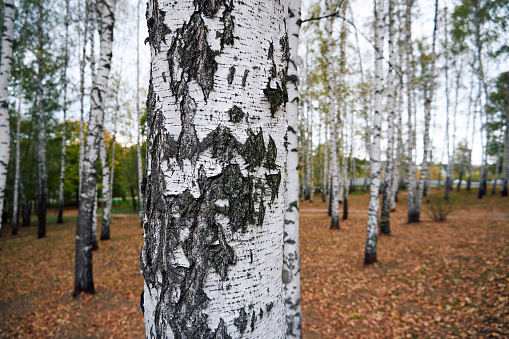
x=241 y=321
x=209 y=8
x=270 y=160
x=276 y=97
x=287 y=277
x=227 y=37
x=294 y=79
x=157 y=29
x=253 y=321
x=236 y=114
x=191 y=58
x=292 y=205
x=254 y=149
x=269 y=306
x=231 y=74
x=188 y=140
x=270 y=54
x=244 y=78
x=273 y=181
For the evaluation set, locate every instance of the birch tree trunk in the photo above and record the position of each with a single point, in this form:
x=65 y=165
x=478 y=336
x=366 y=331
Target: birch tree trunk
x=291 y=262
x=505 y=168
x=106 y=192
x=451 y=163
x=83 y=63
x=465 y=150
x=497 y=165
x=374 y=154
x=5 y=75
x=41 y=152
x=141 y=204
x=60 y=218
x=334 y=165
x=216 y=164
x=386 y=200
x=410 y=88
x=427 y=120
x=83 y=272
x=15 y=202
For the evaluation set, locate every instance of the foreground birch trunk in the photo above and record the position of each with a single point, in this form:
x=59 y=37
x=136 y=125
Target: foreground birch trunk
x=216 y=164
x=291 y=261
x=374 y=154
x=5 y=75
x=83 y=270
x=334 y=165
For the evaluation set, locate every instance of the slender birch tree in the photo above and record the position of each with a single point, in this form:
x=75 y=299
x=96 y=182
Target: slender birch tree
x=60 y=218
x=141 y=205
x=106 y=191
x=333 y=146
x=291 y=262
x=83 y=269
x=216 y=163
x=5 y=75
x=374 y=154
x=15 y=202
x=504 y=82
x=387 y=190
x=41 y=126
x=427 y=120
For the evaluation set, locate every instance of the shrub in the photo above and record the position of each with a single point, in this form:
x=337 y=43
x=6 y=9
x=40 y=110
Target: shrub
x=440 y=208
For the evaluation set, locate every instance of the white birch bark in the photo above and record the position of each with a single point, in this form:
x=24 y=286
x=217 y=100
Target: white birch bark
x=399 y=148
x=386 y=200
x=465 y=150
x=410 y=88
x=106 y=191
x=505 y=167
x=5 y=75
x=334 y=165
x=61 y=183
x=83 y=63
x=452 y=154
x=374 y=154
x=83 y=273
x=141 y=202
x=497 y=165
x=291 y=262
x=41 y=125
x=427 y=120
x=215 y=175
x=15 y=202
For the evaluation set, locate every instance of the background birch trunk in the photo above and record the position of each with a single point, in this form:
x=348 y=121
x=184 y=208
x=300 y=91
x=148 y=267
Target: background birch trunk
x=427 y=120
x=411 y=136
x=141 y=204
x=291 y=261
x=106 y=191
x=5 y=75
x=216 y=164
x=505 y=168
x=60 y=218
x=386 y=200
x=374 y=154
x=452 y=156
x=15 y=204
x=333 y=147
x=83 y=269
x=464 y=153
x=41 y=147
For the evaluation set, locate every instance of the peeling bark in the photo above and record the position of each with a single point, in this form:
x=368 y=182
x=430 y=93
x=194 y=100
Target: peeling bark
x=214 y=186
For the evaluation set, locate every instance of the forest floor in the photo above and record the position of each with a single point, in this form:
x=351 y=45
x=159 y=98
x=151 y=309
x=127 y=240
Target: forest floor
x=433 y=279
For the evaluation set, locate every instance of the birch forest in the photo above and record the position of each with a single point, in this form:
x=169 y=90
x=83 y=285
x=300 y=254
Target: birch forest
x=254 y=169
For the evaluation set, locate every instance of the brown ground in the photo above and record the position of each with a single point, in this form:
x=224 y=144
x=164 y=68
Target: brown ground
x=434 y=279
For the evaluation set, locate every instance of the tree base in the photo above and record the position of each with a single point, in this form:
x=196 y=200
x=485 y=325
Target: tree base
x=345 y=209
x=334 y=223
x=89 y=289
x=105 y=237
x=385 y=223
x=370 y=258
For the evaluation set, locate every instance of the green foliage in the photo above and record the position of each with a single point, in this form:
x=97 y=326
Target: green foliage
x=439 y=208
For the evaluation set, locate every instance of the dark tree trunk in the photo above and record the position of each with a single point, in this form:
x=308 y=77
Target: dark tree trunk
x=345 y=207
